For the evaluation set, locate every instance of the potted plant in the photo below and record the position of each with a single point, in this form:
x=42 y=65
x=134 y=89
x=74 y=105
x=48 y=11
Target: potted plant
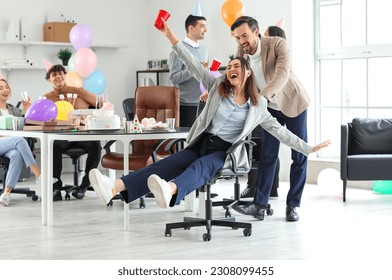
x=64 y=55
x=164 y=64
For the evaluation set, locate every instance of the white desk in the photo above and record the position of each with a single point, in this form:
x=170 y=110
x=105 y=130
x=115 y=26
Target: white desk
x=47 y=138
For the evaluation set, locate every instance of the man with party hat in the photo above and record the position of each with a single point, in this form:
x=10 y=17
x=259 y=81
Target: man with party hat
x=196 y=27
x=82 y=99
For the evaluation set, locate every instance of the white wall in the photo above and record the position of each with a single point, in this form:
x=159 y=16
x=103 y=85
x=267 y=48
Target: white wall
x=130 y=22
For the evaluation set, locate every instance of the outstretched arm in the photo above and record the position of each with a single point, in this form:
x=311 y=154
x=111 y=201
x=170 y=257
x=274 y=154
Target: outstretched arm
x=168 y=32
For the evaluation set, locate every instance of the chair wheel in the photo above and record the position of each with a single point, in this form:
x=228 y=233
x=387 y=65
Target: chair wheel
x=67 y=196
x=247 y=232
x=206 y=236
x=269 y=210
x=168 y=233
x=187 y=228
x=110 y=203
x=227 y=214
x=34 y=197
x=142 y=205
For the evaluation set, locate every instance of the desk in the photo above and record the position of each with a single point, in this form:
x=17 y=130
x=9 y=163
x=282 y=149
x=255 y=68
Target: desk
x=48 y=137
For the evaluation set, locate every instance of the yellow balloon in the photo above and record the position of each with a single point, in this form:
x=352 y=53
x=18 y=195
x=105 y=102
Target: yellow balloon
x=73 y=79
x=62 y=108
x=231 y=10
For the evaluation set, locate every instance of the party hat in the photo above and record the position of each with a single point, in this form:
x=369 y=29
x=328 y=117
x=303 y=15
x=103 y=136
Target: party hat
x=47 y=64
x=197 y=9
x=136 y=125
x=280 y=23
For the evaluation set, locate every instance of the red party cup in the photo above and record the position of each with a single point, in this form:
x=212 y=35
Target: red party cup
x=158 y=22
x=215 y=65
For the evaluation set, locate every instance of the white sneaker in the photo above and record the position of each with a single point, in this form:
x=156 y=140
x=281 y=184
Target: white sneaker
x=161 y=190
x=5 y=198
x=103 y=186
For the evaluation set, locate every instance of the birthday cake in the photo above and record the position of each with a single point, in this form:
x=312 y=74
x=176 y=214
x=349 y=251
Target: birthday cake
x=104 y=118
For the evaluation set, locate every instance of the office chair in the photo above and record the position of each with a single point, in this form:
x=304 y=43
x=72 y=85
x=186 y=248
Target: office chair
x=4 y=164
x=75 y=153
x=234 y=171
x=159 y=102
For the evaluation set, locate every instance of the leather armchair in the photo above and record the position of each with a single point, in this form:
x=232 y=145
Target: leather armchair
x=366 y=150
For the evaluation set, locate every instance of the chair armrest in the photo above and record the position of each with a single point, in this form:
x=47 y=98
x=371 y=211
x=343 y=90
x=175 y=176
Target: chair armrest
x=107 y=145
x=233 y=158
x=169 y=146
x=343 y=151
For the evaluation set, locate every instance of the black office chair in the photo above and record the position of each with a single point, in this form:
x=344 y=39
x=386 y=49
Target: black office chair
x=75 y=153
x=227 y=173
x=4 y=164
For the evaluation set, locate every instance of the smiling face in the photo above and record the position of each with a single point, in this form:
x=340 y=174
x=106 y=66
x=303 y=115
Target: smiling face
x=236 y=73
x=57 y=79
x=246 y=38
x=5 y=91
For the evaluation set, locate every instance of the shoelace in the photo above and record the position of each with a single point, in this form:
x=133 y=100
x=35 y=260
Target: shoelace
x=246 y=191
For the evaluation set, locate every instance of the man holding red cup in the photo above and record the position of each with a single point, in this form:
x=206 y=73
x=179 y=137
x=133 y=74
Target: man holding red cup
x=196 y=27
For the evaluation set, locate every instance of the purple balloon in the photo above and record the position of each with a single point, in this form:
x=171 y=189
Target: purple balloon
x=215 y=74
x=81 y=36
x=42 y=110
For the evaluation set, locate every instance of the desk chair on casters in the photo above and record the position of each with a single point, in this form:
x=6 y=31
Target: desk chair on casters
x=4 y=164
x=75 y=153
x=226 y=173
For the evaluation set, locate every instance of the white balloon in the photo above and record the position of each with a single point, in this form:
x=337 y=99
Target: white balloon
x=329 y=177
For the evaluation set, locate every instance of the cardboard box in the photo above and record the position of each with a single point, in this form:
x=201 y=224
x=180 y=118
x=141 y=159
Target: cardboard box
x=57 y=31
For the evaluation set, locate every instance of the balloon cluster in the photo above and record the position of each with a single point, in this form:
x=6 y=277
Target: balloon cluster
x=231 y=10
x=83 y=63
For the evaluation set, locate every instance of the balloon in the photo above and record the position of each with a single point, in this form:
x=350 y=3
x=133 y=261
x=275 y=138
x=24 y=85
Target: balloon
x=42 y=110
x=231 y=10
x=62 y=108
x=384 y=187
x=84 y=62
x=81 y=36
x=95 y=83
x=71 y=65
x=328 y=178
x=73 y=79
x=215 y=74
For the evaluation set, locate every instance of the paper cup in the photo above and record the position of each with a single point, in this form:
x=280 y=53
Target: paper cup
x=158 y=21
x=215 y=65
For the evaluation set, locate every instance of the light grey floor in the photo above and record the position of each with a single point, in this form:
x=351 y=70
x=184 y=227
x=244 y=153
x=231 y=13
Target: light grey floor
x=84 y=229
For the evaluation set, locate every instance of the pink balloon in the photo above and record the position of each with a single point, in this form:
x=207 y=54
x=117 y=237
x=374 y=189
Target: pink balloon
x=42 y=110
x=84 y=62
x=81 y=36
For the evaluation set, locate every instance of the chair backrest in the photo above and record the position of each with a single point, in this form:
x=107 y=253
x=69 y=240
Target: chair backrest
x=129 y=108
x=159 y=102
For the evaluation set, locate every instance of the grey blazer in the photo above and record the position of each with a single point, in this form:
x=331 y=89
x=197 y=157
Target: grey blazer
x=257 y=114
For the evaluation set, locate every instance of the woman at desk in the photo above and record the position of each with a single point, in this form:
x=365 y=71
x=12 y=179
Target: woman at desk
x=233 y=109
x=14 y=148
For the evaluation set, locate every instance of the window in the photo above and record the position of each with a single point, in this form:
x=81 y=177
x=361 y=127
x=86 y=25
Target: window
x=353 y=60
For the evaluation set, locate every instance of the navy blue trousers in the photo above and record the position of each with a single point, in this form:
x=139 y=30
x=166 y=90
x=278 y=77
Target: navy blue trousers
x=269 y=157
x=190 y=169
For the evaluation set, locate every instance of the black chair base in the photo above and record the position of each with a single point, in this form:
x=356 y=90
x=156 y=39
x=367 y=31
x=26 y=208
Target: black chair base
x=208 y=222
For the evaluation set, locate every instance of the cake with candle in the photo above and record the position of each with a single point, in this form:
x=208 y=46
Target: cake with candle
x=104 y=118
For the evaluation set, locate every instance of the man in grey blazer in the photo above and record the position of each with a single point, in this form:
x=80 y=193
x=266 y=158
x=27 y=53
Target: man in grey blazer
x=270 y=60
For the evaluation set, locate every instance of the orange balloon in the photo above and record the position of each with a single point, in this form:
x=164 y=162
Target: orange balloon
x=73 y=79
x=231 y=10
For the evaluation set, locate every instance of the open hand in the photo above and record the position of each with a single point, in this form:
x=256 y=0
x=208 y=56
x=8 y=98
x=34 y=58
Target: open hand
x=321 y=146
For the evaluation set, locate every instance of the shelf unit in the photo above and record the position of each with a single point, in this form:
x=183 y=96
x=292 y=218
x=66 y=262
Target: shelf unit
x=27 y=44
